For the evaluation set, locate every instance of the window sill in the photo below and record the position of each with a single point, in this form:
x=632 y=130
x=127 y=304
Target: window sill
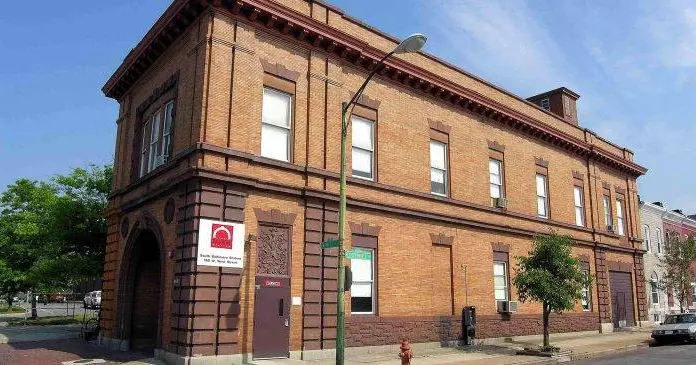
x=440 y=195
x=363 y=178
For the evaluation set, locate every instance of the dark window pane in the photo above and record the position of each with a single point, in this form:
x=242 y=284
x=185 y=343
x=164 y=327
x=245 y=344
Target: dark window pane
x=361 y=304
x=438 y=188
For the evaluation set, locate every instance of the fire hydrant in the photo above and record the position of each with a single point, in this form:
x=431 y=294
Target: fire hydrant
x=406 y=354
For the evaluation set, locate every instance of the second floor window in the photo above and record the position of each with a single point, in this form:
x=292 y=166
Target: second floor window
x=579 y=209
x=275 y=124
x=500 y=280
x=619 y=218
x=658 y=239
x=155 y=146
x=646 y=237
x=438 y=167
x=607 y=211
x=363 y=156
x=542 y=196
x=495 y=170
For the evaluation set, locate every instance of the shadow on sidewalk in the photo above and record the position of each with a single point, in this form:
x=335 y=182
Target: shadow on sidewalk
x=76 y=348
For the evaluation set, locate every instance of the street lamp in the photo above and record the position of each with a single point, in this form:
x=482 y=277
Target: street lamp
x=411 y=44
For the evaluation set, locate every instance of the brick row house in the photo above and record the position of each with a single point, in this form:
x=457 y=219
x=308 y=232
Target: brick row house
x=230 y=113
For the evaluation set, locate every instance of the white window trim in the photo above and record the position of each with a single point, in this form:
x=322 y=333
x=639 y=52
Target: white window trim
x=581 y=206
x=545 y=196
x=372 y=151
x=507 y=283
x=659 y=241
x=143 y=151
x=620 y=229
x=371 y=282
x=654 y=291
x=547 y=102
x=445 y=178
x=646 y=238
x=167 y=132
x=500 y=176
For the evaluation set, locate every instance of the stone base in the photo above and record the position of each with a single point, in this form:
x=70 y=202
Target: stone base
x=114 y=343
x=606 y=328
x=170 y=358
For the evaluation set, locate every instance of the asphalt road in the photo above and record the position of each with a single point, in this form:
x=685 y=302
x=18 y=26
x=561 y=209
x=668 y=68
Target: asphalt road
x=663 y=355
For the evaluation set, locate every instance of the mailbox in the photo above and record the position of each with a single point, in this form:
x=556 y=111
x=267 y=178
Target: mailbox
x=468 y=325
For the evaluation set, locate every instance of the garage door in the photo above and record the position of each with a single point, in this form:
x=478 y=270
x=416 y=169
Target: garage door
x=621 y=287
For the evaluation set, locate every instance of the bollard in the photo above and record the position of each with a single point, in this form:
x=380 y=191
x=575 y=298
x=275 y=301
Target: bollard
x=406 y=354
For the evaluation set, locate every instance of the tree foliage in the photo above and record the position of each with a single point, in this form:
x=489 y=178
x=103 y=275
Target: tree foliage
x=678 y=255
x=52 y=233
x=550 y=275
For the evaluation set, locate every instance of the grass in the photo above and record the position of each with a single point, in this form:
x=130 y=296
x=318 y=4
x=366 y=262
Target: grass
x=47 y=321
x=13 y=309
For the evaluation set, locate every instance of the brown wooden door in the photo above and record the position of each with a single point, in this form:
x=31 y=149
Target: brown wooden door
x=272 y=294
x=621 y=287
x=272 y=317
x=146 y=301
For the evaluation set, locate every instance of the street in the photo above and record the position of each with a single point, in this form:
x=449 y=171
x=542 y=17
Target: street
x=663 y=355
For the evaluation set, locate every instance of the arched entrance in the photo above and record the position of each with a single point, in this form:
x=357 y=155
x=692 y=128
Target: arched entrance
x=141 y=290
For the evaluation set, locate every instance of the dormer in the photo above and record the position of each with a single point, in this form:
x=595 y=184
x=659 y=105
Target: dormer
x=561 y=101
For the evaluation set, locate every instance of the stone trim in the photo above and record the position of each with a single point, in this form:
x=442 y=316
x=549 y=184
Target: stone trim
x=606 y=185
x=619 y=266
x=368 y=102
x=495 y=146
x=500 y=247
x=364 y=229
x=620 y=190
x=275 y=216
x=441 y=239
x=541 y=162
x=578 y=175
x=279 y=70
x=439 y=126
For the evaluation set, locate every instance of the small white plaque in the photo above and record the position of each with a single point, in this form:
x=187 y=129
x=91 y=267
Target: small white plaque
x=296 y=300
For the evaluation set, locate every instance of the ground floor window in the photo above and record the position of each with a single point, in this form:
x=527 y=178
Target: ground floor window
x=362 y=293
x=500 y=280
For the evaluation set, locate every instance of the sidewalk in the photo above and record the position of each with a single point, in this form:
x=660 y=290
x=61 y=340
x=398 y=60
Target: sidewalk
x=38 y=333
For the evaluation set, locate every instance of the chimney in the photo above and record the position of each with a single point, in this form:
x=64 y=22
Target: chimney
x=659 y=204
x=561 y=101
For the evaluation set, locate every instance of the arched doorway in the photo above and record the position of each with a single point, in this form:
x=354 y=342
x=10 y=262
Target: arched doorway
x=142 y=294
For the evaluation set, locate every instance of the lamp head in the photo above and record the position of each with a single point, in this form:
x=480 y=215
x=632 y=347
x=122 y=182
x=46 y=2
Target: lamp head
x=413 y=43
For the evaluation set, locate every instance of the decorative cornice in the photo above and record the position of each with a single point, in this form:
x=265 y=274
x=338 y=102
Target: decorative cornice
x=314 y=34
x=364 y=229
x=495 y=146
x=441 y=239
x=439 y=126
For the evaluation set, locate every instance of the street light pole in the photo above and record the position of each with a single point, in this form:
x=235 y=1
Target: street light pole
x=411 y=44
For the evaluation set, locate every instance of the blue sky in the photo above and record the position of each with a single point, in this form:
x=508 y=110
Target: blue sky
x=632 y=62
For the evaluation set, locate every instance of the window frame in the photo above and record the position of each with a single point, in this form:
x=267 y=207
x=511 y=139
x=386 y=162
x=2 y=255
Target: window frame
x=586 y=299
x=608 y=218
x=581 y=206
x=658 y=234
x=152 y=147
x=445 y=172
x=545 y=197
x=654 y=290
x=547 y=102
x=620 y=219
x=646 y=238
x=290 y=128
x=368 y=243
x=501 y=176
x=373 y=154
x=506 y=287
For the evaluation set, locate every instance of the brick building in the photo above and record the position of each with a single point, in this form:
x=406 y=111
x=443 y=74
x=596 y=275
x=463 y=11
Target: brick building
x=676 y=223
x=230 y=112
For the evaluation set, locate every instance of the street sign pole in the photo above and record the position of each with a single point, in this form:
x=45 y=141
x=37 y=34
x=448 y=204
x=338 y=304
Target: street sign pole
x=341 y=316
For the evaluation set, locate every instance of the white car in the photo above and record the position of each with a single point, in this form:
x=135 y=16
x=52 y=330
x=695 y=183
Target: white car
x=92 y=299
x=676 y=328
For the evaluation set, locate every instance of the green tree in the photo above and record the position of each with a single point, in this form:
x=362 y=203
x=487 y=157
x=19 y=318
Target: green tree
x=52 y=233
x=550 y=275
x=676 y=260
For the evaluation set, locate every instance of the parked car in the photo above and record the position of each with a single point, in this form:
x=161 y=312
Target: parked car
x=92 y=299
x=676 y=328
x=58 y=298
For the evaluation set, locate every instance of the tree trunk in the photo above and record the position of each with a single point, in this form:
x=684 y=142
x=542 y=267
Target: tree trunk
x=546 y=311
x=33 y=306
x=9 y=300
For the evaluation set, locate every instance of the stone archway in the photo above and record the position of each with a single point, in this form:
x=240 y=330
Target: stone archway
x=141 y=287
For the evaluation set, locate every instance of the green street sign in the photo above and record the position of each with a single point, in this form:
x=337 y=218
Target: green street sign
x=358 y=254
x=329 y=244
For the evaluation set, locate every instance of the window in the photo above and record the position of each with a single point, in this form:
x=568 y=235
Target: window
x=363 y=160
x=545 y=103
x=646 y=237
x=438 y=167
x=586 y=298
x=275 y=124
x=500 y=280
x=155 y=145
x=658 y=239
x=495 y=170
x=362 y=293
x=619 y=217
x=693 y=290
x=654 y=292
x=542 y=198
x=607 y=211
x=579 y=210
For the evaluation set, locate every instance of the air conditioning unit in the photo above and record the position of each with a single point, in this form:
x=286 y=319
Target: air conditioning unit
x=513 y=305
x=610 y=228
x=501 y=203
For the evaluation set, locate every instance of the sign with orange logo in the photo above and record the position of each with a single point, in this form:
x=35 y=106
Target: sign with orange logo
x=220 y=244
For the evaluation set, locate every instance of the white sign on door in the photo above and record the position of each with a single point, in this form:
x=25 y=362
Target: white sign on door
x=220 y=244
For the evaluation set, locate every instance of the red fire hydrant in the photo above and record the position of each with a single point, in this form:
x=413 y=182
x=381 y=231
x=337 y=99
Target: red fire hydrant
x=406 y=354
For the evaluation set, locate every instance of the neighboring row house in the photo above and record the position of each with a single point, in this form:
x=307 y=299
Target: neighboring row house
x=228 y=141
x=659 y=224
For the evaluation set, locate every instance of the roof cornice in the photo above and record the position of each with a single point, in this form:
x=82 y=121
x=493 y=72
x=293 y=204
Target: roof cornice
x=313 y=34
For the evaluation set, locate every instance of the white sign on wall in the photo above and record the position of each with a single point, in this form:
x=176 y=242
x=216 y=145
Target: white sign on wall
x=220 y=244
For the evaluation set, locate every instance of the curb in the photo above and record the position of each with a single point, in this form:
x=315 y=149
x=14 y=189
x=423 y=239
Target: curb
x=584 y=355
